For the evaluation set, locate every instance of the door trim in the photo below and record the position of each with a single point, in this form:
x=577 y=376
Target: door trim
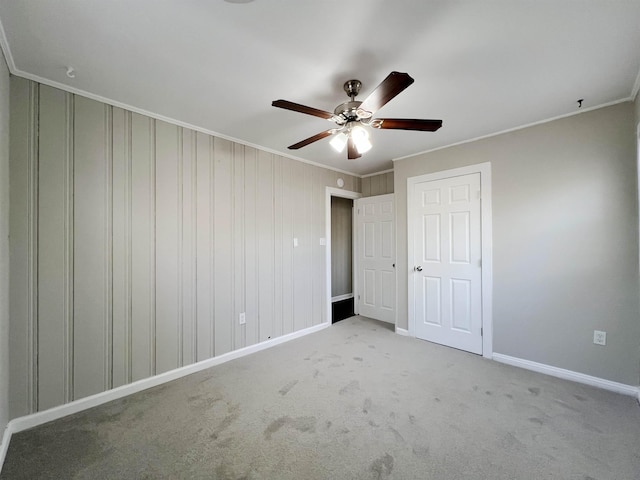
x=337 y=192
x=484 y=169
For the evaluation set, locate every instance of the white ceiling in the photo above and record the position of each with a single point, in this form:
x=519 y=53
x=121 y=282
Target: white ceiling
x=480 y=66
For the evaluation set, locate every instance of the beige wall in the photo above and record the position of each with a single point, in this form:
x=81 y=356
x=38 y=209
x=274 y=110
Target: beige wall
x=380 y=184
x=138 y=244
x=4 y=244
x=565 y=239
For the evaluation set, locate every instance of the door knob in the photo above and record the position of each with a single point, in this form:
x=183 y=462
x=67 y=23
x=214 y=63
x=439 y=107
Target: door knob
x=418 y=268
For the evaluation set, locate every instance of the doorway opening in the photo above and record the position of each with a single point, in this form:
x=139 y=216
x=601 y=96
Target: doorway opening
x=341 y=259
x=340 y=268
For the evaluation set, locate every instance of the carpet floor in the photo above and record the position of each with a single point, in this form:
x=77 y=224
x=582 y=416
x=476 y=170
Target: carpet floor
x=353 y=401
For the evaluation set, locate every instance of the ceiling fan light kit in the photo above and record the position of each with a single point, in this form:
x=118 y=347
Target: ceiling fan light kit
x=353 y=118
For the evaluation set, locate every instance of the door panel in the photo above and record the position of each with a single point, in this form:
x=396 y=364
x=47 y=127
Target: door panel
x=447 y=272
x=369 y=288
x=376 y=257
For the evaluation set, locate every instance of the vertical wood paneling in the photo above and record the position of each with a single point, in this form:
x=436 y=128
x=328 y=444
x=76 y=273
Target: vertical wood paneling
x=22 y=259
x=223 y=241
x=377 y=185
x=108 y=238
x=142 y=247
x=204 y=246
x=91 y=308
x=189 y=203
x=33 y=237
x=288 y=234
x=318 y=280
x=302 y=223
x=308 y=247
x=121 y=246
x=278 y=251
x=350 y=183
x=266 y=227
x=366 y=187
x=168 y=210
x=68 y=377
x=250 y=246
x=238 y=246
x=136 y=244
x=390 y=186
x=54 y=225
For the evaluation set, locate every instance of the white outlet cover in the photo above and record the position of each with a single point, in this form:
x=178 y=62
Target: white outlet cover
x=295 y=242
x=243 y=319
x=323 y=241
x=599 y=337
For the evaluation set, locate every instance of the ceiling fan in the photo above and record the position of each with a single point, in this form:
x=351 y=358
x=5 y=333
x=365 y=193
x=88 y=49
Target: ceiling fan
x=353 y=117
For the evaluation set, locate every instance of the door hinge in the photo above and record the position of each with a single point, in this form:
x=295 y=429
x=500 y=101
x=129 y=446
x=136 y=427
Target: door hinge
x=358 y=297
x=480 y=263
x=481 y=331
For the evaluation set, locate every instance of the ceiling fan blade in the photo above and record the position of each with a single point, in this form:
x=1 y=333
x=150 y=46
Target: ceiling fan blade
x=407 y=124
x=352 y=151
x=309 y=140
x=296 y=107
x=391 y=86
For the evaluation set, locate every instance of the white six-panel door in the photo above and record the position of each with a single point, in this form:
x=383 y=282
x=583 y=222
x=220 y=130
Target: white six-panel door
x=446 y=274
x=376 y=257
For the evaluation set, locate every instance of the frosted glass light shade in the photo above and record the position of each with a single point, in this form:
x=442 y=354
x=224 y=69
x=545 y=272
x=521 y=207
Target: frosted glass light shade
x=338 y=142
x=363 y=145
x=361 y=139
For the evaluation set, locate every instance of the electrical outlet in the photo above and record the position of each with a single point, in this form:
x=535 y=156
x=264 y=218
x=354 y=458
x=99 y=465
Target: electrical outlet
x=243 y=319
x=295 y=242
x=599 y=337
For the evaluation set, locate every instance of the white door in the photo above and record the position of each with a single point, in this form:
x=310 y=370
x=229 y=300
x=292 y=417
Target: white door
x=376 y=257
x=446 y=271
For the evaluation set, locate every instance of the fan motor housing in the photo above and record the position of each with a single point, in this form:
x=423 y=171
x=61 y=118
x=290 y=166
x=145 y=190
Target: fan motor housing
x=348 y=110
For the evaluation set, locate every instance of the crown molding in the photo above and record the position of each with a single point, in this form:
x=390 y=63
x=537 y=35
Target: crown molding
x=389 y=170
x=515 y=129
x=76 y=91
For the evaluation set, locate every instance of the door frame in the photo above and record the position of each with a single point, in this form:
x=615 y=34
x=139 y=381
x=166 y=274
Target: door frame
x=484 y=169
x=338 y=192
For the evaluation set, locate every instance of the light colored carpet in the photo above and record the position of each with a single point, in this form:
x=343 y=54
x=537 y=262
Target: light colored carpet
x=354 y=401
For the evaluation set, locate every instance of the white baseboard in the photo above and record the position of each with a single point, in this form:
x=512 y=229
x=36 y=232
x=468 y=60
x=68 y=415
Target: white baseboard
x=339 y=298
x=402 y=331
x=29 y=421
x=569 y=375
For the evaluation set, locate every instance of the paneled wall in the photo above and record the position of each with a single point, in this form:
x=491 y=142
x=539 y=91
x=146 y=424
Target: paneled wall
x=4 y=243
x=136 y=244
x=380 y=184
